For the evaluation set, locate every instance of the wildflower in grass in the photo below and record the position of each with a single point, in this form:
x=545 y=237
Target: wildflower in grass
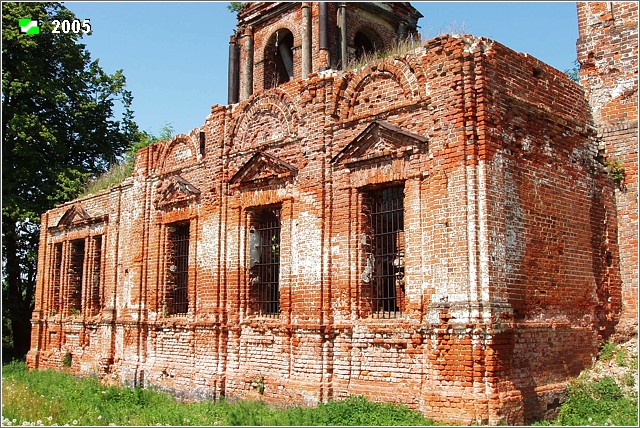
x=99 y=417
x=75 y=422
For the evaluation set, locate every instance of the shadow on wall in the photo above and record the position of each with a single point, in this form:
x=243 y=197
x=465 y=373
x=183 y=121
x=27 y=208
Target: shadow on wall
x=605 y=261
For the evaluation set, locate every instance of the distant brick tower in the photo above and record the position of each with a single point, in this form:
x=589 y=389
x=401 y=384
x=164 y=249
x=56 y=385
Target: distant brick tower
x=277 y=41
x=608 y=56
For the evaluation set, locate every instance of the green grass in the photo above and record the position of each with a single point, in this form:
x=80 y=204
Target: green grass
x=48 y=397
x=598 y=403
x=397 y=48
x=602 y=402
x=115 y=175
x=608 y=351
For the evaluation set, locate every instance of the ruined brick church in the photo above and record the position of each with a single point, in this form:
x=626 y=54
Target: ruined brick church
x=436 y=228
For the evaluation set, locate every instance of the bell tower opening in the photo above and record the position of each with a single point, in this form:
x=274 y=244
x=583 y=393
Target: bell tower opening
x=366 y=42
x=278 y=59
x=277 y=42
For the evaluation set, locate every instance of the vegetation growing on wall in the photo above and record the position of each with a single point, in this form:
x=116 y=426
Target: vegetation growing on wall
x=118 y=172
x=398 y=48
x=574 y=72
x=616 y=171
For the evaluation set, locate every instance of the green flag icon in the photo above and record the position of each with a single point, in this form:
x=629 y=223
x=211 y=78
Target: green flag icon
x=29 y=26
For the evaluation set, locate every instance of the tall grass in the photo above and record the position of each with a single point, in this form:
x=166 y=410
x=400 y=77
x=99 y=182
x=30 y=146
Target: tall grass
x=115 y=175
x=55 y=398
x=51 y=397
x=400 y=47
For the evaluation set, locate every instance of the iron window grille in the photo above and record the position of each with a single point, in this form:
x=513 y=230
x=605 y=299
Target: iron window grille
x=177 y=298
x=384 y=249
x=54 y=306
x=264 y=261
x=97 y=264
x=76 y=275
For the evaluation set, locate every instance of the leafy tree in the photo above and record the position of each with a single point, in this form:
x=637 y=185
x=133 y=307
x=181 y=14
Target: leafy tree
x=145 y=139
x=58 y=128
x=235 y=6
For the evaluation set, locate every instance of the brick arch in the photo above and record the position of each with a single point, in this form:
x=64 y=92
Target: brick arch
x=271 y=68
x=266 y=117
x=178 y=152
x=261 y=45
x=372 y=35
x=352 y=86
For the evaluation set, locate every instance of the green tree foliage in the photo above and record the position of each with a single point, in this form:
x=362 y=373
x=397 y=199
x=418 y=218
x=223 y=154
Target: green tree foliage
x=59 y=128
x=574 y=72
x=119 y=172
x=235 y=6
x=145 y=139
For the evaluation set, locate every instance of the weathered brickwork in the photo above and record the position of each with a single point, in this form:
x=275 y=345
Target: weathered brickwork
x=263 y=27
x=435 y=228
x=608 y=56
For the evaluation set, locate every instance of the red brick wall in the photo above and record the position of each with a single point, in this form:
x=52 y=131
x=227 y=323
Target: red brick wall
x=608 y=56
x=505 y=224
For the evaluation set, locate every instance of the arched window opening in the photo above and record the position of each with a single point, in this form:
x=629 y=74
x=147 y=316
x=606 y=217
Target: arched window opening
x=278 y=59
x=366 y=42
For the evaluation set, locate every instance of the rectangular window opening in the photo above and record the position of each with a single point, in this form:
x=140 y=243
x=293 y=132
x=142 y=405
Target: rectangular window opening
x=75 y=276
x=384 y=249
x=97 y=264
x=264 y=261
x=54 y=306
x=178 y=275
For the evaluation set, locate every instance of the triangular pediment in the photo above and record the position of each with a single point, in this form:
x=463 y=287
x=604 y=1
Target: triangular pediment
x=74 y=215
x=380 y=140
x=175 y=190
x=263 y=169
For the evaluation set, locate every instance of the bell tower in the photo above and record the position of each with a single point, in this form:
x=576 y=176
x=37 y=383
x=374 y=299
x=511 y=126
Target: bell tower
x=276 y=42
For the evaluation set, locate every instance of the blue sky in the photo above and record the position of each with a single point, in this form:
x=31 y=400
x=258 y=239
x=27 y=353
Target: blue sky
x=174 y=54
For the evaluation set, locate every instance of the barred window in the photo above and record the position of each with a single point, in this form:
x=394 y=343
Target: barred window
x=54 y=304
x=383 y=275
x=177 y=297
x=97 y=265
x=264 y=261
x=76 y=272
